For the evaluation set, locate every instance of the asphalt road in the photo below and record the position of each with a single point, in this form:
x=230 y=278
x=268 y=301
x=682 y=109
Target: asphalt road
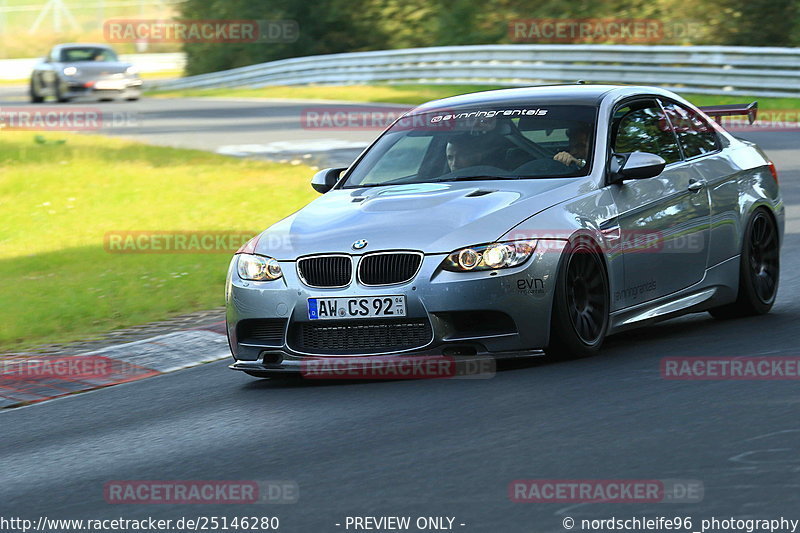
x=283 y=130
x=433 y=447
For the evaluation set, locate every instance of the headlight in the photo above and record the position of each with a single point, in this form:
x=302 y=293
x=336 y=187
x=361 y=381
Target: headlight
x=70 y=71
x=489 y=256
x=258 y=268
x=131 y=71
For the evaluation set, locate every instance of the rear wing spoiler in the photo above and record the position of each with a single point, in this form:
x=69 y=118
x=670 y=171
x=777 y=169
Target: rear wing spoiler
x=718 y=111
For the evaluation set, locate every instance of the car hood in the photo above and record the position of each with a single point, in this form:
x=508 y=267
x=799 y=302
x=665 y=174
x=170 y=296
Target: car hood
x=430 y=217
x=96 y=69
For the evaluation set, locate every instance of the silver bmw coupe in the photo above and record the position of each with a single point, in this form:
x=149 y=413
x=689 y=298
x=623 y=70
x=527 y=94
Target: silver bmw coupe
x=511 y=223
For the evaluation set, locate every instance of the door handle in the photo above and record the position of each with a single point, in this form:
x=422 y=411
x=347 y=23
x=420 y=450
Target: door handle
x=696 y=185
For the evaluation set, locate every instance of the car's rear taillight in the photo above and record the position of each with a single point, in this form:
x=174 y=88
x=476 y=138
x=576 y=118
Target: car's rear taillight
x=773 y=171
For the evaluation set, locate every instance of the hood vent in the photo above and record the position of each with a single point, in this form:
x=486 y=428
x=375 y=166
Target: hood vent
x=480 y=192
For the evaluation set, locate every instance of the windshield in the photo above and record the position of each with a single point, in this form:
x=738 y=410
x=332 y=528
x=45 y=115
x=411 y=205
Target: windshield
x=88 y=53
x=535 y=141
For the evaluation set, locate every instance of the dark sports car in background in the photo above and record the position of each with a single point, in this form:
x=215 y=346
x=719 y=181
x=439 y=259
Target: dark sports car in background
x=514 y=222
x=84 y=70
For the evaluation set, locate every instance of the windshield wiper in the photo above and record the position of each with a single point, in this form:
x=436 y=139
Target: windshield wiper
x=476 y=178
x=453 y=178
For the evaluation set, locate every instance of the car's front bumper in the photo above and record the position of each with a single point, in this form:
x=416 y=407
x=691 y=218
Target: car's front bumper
x=103 y=87
x=499 y=313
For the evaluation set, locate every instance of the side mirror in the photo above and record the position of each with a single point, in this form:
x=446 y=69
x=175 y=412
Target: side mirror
x=635 y=166
x=324 y=180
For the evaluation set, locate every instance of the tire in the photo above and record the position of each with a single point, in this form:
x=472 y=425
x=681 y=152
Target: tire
x=59 y=96
x=759 y=269
x=34 y=93
x=581 y=304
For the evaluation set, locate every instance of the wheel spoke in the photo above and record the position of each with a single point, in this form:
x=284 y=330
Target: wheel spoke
x=586 y=326
x=764 y=291
x=759 y=229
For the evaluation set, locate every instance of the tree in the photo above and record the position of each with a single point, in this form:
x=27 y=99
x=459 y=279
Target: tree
x=325 y=27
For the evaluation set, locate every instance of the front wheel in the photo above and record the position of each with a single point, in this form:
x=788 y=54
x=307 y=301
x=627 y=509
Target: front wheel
x=759 y=269
x=36 y=98
x=581 y=306
x=59 y=94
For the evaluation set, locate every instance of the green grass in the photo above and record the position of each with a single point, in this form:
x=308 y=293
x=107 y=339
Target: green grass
x=58 y=201
x=394 y=94
x=417 y=94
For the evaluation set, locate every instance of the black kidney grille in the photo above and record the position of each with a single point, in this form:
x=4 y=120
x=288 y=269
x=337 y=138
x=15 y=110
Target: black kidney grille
x=261 y=331
x=388 y=268
x=372 y=336
x=326 y=271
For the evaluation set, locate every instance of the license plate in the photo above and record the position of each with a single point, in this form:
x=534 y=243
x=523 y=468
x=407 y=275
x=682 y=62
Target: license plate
x=110 y=84
x=356 y=307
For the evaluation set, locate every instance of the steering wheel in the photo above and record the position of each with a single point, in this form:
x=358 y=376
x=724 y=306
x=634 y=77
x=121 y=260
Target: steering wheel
x=477 y=170
x=544 y=167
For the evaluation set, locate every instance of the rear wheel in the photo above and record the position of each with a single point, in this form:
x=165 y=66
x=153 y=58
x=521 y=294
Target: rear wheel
x=759 y=269
x=580 y=309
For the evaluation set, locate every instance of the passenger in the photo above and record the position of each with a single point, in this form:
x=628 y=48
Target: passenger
x=462 y=152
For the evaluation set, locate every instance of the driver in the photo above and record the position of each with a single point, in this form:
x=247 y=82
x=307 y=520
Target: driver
x=462 y=152
x=578 y=149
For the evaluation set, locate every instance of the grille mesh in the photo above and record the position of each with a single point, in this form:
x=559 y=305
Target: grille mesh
x=389 y=268
x=369 y=337
x=326 y=271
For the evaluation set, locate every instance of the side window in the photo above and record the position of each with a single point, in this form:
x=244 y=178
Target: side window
x=696 y=135
x=642 y=127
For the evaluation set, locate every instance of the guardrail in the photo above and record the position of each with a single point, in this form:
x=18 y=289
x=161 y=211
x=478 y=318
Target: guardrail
x=20 y=69
x=758 y=71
